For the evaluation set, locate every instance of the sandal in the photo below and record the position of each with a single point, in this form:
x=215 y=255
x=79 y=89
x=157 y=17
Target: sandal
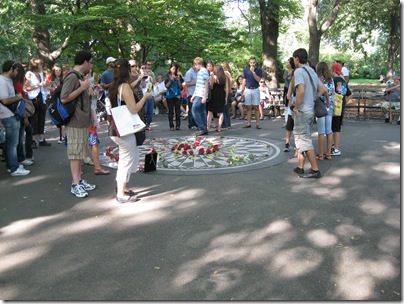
x=246 y=126
x=232 y=117
x=320 y=157
x=219 y=130
x=327 y=156
x=241 y=118
x=127 y=192
x=101 y=171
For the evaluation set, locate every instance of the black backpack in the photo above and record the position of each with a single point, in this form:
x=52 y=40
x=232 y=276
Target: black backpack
x=58 y=112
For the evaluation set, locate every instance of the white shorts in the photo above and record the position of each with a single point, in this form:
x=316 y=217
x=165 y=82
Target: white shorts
x=252 y=97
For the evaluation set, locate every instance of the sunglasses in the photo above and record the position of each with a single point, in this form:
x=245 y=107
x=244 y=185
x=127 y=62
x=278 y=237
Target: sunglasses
x=133 y=66
x=262 y=81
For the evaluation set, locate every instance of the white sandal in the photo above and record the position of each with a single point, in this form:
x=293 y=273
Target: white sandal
x=88 y=161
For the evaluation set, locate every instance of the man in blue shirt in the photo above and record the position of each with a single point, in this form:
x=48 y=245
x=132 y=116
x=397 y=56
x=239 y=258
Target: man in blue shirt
x=250 y=91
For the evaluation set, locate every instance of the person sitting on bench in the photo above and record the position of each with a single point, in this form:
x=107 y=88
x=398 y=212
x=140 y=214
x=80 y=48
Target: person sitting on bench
x=392 y=93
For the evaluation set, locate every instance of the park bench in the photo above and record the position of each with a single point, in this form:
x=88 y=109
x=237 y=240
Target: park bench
x=366 y=103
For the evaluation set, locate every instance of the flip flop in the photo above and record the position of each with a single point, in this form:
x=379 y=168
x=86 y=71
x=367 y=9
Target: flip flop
x=101 y=171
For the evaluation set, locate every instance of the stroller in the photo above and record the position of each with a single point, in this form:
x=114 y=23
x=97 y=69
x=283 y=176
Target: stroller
x=100 y=110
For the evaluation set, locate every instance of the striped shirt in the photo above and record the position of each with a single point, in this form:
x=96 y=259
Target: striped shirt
x=200 y=82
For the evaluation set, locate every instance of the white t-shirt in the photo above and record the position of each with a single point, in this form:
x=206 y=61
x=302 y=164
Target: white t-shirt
x=159 y=87
x=6 y=91
x=345 y=71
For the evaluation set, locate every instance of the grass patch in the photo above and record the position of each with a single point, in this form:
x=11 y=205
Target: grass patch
x=364 y=81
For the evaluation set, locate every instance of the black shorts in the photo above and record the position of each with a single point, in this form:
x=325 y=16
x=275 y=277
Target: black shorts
x=290 y=123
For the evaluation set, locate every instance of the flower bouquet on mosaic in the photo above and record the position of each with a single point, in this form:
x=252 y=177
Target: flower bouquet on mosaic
x=113 y=153
x=204 y=152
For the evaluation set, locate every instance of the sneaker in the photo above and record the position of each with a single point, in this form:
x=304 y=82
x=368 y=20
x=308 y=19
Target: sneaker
x=20 y=172
x=311 y=174
x=44 y=143
x=335 y=152
x=287 y=148
x=61 y=141
x=157 y=112
x=298 y=170
x=20 y=166
x=27 y=162
x=86 y=186
x=78 y=190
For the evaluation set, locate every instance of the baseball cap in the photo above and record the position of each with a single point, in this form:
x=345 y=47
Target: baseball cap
x=132 y=62
x=396 y=78
x=337 y=68
x=110 y=59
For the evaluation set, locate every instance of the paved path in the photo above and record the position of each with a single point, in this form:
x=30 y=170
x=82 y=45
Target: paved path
x=262 y=234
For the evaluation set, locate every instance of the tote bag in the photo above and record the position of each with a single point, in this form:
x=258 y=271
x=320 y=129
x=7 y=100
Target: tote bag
x=337 y=104
x=125 y=122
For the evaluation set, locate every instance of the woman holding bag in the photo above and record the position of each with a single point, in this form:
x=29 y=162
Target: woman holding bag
x=128 y=149
x=35 y=87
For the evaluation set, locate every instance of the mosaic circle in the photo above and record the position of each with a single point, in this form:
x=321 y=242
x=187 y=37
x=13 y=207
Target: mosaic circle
x=191 y=155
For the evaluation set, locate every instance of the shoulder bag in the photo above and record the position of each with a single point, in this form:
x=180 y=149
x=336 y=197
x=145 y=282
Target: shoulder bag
x=125 y=122
x=320 y=109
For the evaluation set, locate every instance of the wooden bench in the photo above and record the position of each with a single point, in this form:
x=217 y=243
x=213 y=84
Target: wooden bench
x=275 y=101
x=367 y=104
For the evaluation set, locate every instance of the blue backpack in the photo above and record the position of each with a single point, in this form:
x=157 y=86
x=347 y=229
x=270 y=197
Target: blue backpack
x=58 y=112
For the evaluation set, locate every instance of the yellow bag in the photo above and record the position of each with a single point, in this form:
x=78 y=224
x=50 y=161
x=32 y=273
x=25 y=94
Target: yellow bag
x=337 y=104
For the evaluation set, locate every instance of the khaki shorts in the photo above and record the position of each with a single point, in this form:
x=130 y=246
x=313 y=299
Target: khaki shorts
x=303 y=127
x=77 y=143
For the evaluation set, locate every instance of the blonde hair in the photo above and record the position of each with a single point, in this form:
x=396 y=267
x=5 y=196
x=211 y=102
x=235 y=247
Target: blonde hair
x=198 y=60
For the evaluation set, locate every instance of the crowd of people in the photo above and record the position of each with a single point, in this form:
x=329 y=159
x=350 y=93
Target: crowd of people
x=207 y=97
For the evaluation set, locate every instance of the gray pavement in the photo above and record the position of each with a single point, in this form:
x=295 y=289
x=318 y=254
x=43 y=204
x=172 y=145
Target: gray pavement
x=262 y=234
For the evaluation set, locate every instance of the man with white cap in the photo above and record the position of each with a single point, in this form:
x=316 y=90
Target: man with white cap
x=105 y=82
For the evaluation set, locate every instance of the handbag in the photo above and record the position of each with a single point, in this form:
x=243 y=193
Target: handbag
x=320 y=109
x=338 y=98
x=150 y=162
x=29 y=107
x=125 y=122
x=140 y=137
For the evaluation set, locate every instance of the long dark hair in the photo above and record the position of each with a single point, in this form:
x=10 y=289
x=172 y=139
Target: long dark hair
x=53 y=75
x=121 y=75
x=20 y=77
x=219 y=72
x=177 y=67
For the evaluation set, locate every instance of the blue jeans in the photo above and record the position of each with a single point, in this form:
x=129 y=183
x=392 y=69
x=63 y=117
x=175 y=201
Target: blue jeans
x=149 y=106
x=199 y=113
x=12 y=126
x=27 y=132
x=226 y=112
x=191 y=120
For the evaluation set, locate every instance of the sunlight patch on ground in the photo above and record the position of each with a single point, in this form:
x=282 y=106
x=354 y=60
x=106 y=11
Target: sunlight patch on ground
x=357 y=277
x=388 y=168
x=21 y=258
x=27 y=225
x=321 y=238
x=372 y=207
x=296 y=262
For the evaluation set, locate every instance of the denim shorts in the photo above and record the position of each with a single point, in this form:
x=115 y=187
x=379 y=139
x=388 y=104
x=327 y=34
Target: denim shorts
x=252 y=97
x=324 y=124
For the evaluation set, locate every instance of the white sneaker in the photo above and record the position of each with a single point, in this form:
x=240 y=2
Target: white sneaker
x=20 y=166
x=157 y=111
x=20 y=172
x=335 y=152
x=86 y=186
x=27 y=162
x=78 y=191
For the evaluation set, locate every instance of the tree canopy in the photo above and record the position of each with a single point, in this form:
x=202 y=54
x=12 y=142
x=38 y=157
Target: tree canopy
x=165 y=31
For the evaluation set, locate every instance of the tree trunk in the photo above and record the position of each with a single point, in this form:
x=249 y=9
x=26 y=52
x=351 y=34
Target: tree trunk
x=270 y=34
x=315 y=33
x=391 y=47
x=41 y=37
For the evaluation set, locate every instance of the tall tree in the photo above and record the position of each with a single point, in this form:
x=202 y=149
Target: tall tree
x=318 y=14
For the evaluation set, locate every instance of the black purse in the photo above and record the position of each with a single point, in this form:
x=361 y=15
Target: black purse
x=320 y=110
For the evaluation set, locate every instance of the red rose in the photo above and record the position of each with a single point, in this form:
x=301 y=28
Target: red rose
x=208 y=151
x=215 y=148
x=201 y=151
x=191 y=152
x=184 y=152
